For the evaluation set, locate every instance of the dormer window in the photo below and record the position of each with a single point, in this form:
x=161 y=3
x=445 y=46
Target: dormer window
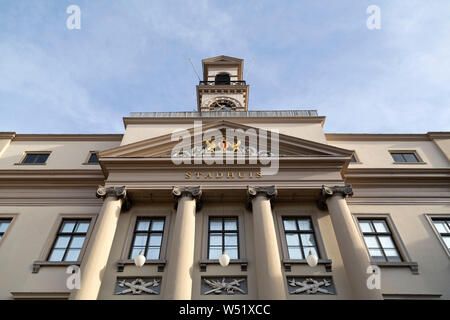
x=222 y=79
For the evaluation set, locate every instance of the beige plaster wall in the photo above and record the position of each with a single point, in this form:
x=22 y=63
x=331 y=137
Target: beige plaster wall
x=444 y=145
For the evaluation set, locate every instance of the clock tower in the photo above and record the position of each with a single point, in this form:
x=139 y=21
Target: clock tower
x=223 y=87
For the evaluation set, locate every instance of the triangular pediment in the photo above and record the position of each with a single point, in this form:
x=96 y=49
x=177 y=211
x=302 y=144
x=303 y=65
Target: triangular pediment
x=222 y=59
x=289 y=147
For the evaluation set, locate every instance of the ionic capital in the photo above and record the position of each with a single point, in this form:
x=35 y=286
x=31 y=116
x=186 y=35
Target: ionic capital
x=193 y=192
x=268 y=192
x=117 y=192
x=328 y=192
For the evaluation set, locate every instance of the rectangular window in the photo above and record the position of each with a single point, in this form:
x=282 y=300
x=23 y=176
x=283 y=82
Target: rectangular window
x=69 y=240
x=35 y=158
x=300 y=237
x=93 y=158
x=408 y=157
x=379 y=240
x=147 y=238
x=4 y=224
x=443 y=227
x=223 y=236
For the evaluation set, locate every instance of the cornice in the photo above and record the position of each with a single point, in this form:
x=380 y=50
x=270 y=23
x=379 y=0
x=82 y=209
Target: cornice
x=7 y=135
x=439 y=135
x=375 y=137
x=76 y=178
x=68 y=137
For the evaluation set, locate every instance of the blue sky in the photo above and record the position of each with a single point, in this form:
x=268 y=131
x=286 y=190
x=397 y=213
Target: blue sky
x=133 y=55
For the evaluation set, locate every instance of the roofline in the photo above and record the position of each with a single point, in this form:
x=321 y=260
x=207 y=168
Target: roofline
x=378 y=137
x=68 y=137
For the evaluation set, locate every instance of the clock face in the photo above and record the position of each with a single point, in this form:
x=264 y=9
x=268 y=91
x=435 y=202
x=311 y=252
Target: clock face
x=221 y=106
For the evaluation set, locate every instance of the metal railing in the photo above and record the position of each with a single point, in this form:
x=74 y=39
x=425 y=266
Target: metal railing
x=222 y=83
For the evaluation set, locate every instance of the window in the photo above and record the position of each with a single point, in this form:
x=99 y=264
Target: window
x=408 y=157
x=4 y=224
x=222 y=79
x=353 y=159
x=147 y=238
x=223 y=236
x=35 y=158
x=379 y=240
x=69 y=240
x=93 y=158
x=300 y=237
x=443 y=227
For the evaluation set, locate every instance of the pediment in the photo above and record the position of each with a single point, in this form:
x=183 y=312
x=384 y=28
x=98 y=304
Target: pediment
x=289 y=147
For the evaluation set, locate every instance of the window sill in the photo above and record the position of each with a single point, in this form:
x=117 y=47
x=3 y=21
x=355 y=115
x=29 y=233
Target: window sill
x=409 y=163
x=38 y=264
x=122 y=263
x=90 y=164
x=288 y=262
x=30 y=164
x=204 y=263
x=412 y=265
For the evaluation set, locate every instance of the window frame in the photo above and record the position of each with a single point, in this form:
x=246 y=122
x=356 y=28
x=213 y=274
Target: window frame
x=141 y=212
x=5 y=216
x=51 y=238
x=416 y=154
x=396 y=238
x=148 y=233
x=432 y=216
x=26 y=153
x=299 y=233
x=298 y=214
x=223 y=232
x=86 y=161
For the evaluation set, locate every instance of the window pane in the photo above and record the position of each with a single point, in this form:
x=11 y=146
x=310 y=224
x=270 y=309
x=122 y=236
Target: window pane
x=41 y=158
x=232 y=252
x=62 y=242
x=410 y=157
x=365 y=226
x=371 y=242
x=307 y=250
x=308 y=240
x=82 y=227
x=57 y=255
x=215 y=224
x=4 y=225
x=304 y=224
x=230 y=224
x=140 y=240
x=72 y=255
x=29 y=158
x=215 y=253
x=292 y=239
x=68 y=227
x=93 y=158
x=77 y=242
x=392 y=255
x=157 y=225
x=290 y=224
x=397 y=157
x=231 y=240
x=353 y=159
x=376 y=255
x=386 y=242
x=295 y=253
x=447 y=241
x=152 y=254
x=215 y=239
x=155 y=239
x=380 y=226
x=441 y=227
x=143 y=225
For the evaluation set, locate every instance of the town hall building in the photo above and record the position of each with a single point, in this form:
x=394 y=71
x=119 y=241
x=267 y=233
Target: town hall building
x=227 y=202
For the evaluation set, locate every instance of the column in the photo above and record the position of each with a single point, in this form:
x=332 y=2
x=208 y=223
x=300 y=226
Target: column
x=180 y=263
x=97 y=252
x=351 y=245
x=269 y=274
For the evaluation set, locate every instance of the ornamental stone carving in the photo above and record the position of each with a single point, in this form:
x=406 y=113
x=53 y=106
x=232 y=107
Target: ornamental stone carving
x=224 y=286
x=138 y=286
x=311 y=285
x=193 y=192
x=117 y=192
x=328 y=192
x=269 y=192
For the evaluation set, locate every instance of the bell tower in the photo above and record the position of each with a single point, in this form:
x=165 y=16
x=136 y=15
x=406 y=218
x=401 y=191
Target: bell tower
x=222 y=88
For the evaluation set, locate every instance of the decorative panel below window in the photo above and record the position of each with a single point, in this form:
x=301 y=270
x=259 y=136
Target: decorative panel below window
x=311 y=285
x=224 y=286
x=138 y=286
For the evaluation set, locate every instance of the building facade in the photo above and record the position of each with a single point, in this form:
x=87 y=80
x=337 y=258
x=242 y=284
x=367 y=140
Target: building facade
x=75 y=210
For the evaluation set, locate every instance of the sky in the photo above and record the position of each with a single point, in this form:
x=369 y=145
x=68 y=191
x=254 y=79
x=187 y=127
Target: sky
x=133 y=56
